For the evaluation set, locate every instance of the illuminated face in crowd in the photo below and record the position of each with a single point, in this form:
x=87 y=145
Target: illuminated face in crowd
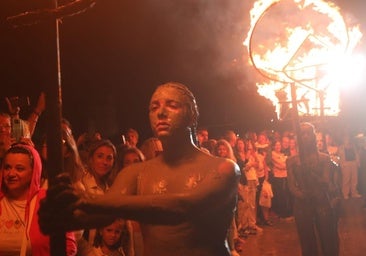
x=5 y=133
x=170 y=111
x=102 y=161
x=222 y=151
x=231 y=137
x=277 y=146
x=111 y=234
x=285 y=142
x=293 y=143
x=262 y=139
x=17 y=174
x=132 y=138
x=240 y=145
x=5 y=126
x=202 y=136
x=130 y=158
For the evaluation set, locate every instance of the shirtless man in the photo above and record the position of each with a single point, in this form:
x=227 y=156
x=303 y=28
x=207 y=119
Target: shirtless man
x=184 y=199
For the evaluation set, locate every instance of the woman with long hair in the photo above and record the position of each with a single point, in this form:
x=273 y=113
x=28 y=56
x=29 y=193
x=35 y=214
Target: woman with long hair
x=99 y=175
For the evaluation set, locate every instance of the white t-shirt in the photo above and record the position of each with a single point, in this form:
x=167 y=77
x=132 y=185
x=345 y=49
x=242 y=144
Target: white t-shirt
x=98 y=252
x=251 y=173
x=12 y=227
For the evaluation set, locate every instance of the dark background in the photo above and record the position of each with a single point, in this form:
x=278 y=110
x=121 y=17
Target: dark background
x=115 y=54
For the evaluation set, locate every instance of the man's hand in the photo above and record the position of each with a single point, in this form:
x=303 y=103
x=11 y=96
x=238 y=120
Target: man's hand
x=41 y=103
x=58 y=211
x=14 y=111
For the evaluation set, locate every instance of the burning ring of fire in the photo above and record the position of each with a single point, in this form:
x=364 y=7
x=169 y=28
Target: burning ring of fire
x=299 y=41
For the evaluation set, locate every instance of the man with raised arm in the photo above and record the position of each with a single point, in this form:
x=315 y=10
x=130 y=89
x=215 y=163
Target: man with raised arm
x=184 y=199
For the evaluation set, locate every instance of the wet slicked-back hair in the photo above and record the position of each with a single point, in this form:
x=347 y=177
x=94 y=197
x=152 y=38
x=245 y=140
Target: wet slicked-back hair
x=191 y=102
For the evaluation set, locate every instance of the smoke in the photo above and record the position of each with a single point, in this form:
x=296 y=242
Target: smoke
x=206 y=36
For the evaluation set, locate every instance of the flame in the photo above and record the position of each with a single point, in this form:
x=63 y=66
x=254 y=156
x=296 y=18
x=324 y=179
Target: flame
x=301 y=42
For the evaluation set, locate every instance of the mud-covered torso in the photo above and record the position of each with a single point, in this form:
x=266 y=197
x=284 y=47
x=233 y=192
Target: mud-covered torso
x=201 y=234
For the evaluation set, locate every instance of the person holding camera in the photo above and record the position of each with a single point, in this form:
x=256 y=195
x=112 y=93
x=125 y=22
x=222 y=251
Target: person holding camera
x=24 y=129
x=13 y=129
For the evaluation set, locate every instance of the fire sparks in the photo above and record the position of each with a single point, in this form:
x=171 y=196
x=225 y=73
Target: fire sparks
x=305 y=42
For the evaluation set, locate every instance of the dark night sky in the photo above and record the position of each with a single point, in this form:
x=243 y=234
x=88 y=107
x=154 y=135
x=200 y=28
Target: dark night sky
x=115 y=54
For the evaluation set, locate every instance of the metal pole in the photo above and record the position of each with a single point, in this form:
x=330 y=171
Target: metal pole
x=52 y=81
x=54 y=135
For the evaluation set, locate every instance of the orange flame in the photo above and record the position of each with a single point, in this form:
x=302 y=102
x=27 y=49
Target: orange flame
x=300 y=41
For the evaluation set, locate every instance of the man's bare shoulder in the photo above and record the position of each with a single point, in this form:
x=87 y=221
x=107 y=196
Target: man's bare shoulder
x=222 y=165
x=229 y=166
x=129 y=174
x=137 y=167
x=133 y=168
x=202 y=161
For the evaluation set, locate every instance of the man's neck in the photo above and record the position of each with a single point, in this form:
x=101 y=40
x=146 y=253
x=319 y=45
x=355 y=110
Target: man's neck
x=176 y=150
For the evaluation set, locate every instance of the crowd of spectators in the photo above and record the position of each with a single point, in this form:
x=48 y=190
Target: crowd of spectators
x=263 y=158
x=93 y=162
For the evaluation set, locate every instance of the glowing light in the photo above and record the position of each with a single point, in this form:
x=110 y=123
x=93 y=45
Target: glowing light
x=347 y=72
x=305 y=42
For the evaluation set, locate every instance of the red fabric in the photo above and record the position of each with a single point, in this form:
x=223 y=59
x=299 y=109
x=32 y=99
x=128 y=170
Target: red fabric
x=39 y=242
x=36 y=177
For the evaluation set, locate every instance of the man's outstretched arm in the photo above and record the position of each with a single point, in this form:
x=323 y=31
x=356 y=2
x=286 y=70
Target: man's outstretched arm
x=218 y=190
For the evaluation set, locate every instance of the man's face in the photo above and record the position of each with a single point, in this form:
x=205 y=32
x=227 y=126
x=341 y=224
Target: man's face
x=5 y=126
x=285 y=142
x=168 y=112
x=5 y=134
x=202 y=136
x=262 y=139
x=308 y=137
x=240 y=146
x=232 y=139
x=132 y=139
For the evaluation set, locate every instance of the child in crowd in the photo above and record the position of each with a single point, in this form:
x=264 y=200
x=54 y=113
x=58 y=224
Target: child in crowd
x=112 y=240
